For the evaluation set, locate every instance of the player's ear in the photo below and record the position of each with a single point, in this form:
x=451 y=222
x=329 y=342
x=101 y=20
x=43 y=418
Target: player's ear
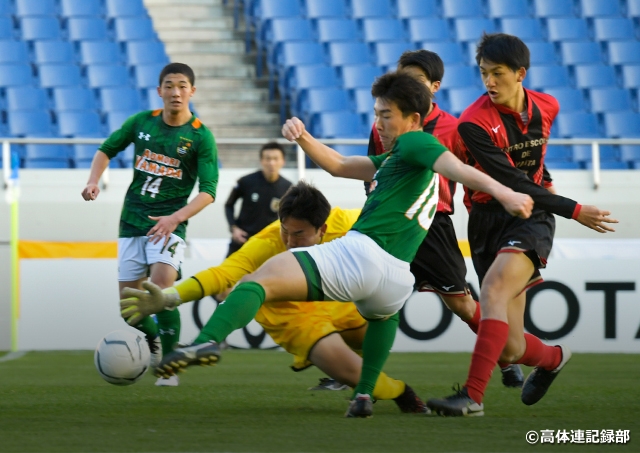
x=323 y=230
x=435 y=87
x=521 y=74
x=158 y=90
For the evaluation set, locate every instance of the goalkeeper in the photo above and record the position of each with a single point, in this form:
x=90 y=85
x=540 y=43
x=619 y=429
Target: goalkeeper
x=324 y=334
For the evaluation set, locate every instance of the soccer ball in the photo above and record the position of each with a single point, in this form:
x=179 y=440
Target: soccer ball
x=122 y=357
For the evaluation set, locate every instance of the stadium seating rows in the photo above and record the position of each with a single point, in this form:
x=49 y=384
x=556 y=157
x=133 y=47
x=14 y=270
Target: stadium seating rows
x=74 y=68
x=323 y=53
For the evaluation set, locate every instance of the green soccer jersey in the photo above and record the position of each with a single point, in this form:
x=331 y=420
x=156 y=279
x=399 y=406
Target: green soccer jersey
x=403 y=196
x=167 y=162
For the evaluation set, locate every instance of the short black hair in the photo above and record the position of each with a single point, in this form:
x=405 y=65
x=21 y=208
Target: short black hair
x=408 y=93
x=177 y=68
x=428 y=62
x=271 y=145
x=304 y=202
x=500 y=48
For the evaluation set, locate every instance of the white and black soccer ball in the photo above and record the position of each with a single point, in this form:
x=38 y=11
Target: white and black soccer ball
x=122 y=357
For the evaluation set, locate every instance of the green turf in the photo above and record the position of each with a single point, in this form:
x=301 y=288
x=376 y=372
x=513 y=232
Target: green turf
x=252 y=402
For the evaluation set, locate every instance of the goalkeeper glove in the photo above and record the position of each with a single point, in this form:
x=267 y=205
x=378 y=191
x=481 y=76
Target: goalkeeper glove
x=139 y=304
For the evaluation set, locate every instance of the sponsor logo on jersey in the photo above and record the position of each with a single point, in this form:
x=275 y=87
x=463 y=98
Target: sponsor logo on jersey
x=447 y=288
x=255 y=197
x=158 y=164
x=184 y=145
x=143 y=136
x=275 y=204
x=512 y=243
x=495 y=129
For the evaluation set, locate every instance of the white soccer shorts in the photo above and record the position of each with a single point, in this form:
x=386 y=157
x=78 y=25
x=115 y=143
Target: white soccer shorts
x=136 y=254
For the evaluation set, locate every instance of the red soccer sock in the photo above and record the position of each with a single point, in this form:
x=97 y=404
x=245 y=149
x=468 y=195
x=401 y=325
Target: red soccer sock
x=474 y=322
x=492 y=338
x=539 y=354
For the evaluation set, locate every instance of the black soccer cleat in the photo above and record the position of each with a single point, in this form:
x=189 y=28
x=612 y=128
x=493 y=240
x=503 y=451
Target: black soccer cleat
x=457 y=405
x=512 y=376
x=539 y=380
x=181 y=358
x=329 y=384
x=360 y=407
x=410 y=403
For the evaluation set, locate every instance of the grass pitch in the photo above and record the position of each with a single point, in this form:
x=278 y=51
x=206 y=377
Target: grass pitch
x=252 y=402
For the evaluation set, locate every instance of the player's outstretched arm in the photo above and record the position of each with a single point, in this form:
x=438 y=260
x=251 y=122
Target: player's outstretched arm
x=98 y=166
x=515 y=203
x=594 y=218
x=353 y=167
x=139 y=304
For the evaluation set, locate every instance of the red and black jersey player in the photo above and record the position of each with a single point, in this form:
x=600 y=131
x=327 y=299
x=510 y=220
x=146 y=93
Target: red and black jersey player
x=439 y=265
x=504 y=134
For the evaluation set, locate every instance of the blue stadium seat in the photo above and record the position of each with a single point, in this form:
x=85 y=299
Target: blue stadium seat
x=267 y=10
x=6 y=7
x=584 y=153
x=87 y=29
x=319 y=100
x=123 y=8
x=570 y=99
x=609 y=165
x=153 y=101
x=79 y=123
x=35 y=8
x=383 y=29
x=410 y=9
x=461 y=98
x=46 y=163
x=82 y=155
x=613 y=29
x=624 y=52
x=577 y=124
x=337 y=29
x=363 y=100
x=539 y=77
x=361 y=9
x=462 y=8
x=558 y=165
x=100 y=52
x=557 y=154
x=428 y=29
x=622 y=124
x=460 y=77
x=13 y=52
x=120 y=98
x=449 y=52
x=59 y=75
x=351 y=150
x=26 y=98
x=146 y=76
x=553 y=8
x=594 y=76
x=388 y=53
x=15 y=74
x=40 y=27
x=280 y=31
x=344 y=124
x=610 y=100
x=633 y=8
x=73 y=98
x=508 y=8
x=630 y=153
x=349 y=53
x=598 y=8
x=527 y=29
x=116 y=119
x=317 y=9
x=53 y=52
x=134 y=29
x=542 y=53
x=301 y=53
x=574 y=53
x=78 y=8
x=108 y=75
x=631 y=76
x=567 y=29
x=46 y=152
x=32 y=123
x=146 y=52
x=359 y=76
x=471 y=29
x=7 y=32
x=313 y=76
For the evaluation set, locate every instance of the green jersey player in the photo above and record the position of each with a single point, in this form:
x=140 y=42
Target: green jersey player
x=172 y=149
x=370 y=265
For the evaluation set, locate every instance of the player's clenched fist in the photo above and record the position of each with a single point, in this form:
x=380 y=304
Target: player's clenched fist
x=138 y=304
x=91 y=192
x=292 y=129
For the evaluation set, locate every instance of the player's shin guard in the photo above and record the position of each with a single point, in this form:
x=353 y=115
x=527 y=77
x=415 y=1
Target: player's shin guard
x=375 y=349
x=387 y=388
x=237 y=311
x=539 y=354
x=169 y=329
x=148 y=327
x=492 y=338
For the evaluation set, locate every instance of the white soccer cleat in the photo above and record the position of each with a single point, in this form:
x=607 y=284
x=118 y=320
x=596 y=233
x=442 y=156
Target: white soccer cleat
x=171 y=381
x=155 y=348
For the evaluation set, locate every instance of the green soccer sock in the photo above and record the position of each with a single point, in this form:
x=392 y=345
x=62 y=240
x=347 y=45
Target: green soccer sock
x=375 y=349
x=148 y=327
x=169 y=329
x=236 y=312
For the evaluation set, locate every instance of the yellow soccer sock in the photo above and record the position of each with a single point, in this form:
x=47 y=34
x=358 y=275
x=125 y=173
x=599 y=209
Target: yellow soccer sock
x=387 y=388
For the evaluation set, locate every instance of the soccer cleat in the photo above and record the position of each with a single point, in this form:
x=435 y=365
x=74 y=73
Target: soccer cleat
x=512 y=376
x=155 y=348
x=539 y=380
x=360 y=407
x=171 y=381
x=410 y=403
x=329 y=384
x=181 y=358
x=456 y=405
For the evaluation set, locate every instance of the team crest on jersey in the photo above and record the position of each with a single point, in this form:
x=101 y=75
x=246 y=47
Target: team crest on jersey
x=275 y=204
x=184 y=145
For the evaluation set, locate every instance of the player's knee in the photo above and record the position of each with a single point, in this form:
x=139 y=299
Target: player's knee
x=463 y=307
